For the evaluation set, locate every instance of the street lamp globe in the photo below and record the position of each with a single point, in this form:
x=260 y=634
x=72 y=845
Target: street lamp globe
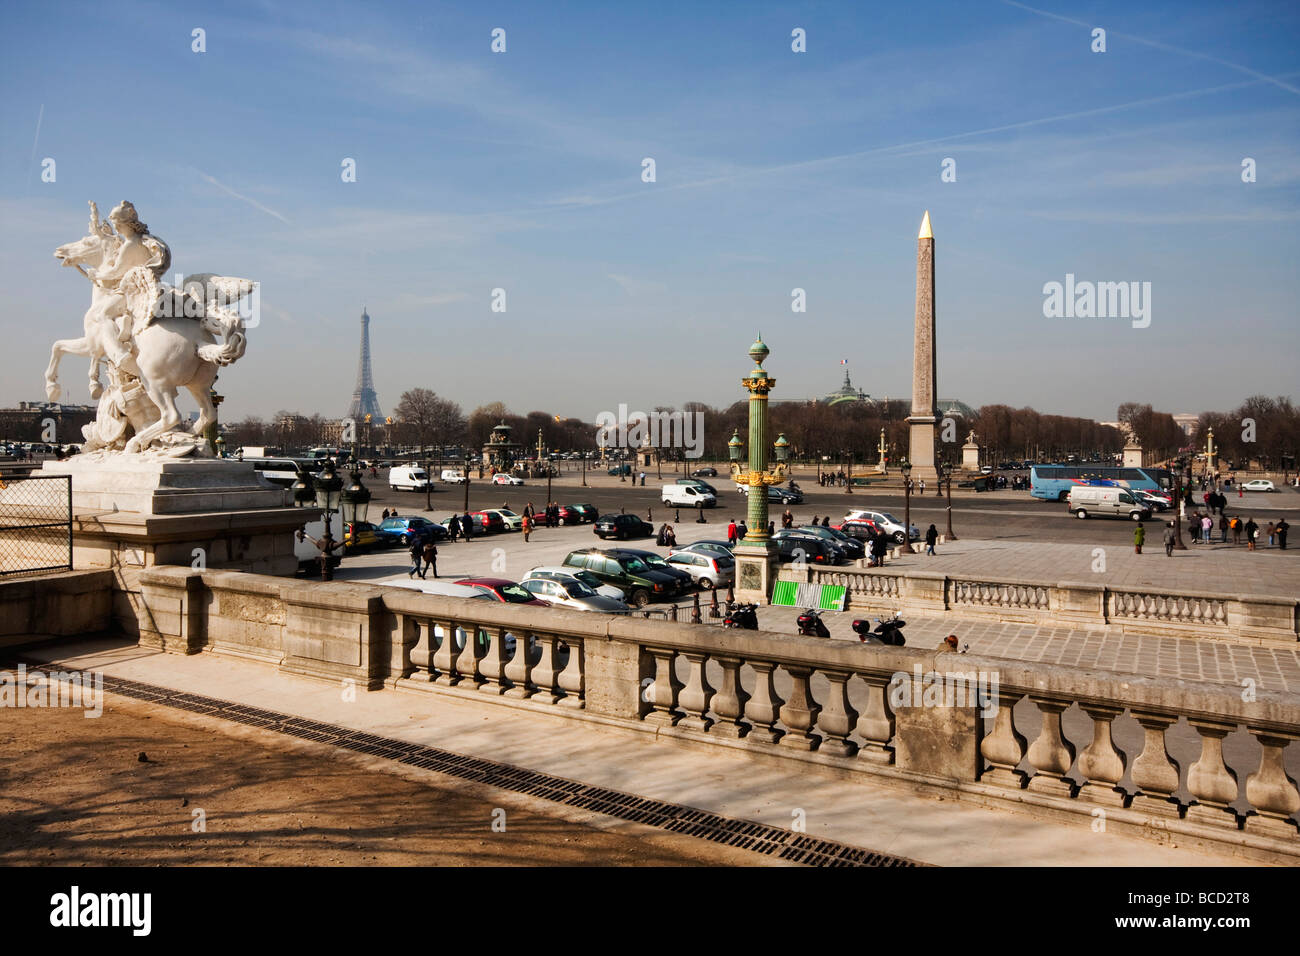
x=328 y=487
x=781 y=448
x=735 y=447
x=906 y=468
x=303 y=493
x=356 y=500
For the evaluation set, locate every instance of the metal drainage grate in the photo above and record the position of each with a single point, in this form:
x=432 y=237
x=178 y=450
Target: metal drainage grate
x=744 y=834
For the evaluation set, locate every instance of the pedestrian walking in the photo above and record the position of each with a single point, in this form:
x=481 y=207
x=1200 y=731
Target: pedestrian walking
x=826 y=521
x=466 y=525
x=787 y=519
x=1194 y=528
x=731 y=534
x=1139 y=538
x=527 y=526
x=741 y=530
x=931 y=536
x=1235 y=525
x=1207 y=528
x=1223 y=526
x=880 y=548
x=453 y=528
x=922 y=486
x=1170 y=536
x=1252 y=532
x=642 y=477
x=417 y=554
x=1272 y=533
x=430 y=553
x=1281 y=530
x=385 y=514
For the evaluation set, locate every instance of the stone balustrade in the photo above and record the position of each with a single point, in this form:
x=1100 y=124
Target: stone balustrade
x=1031 y=738
x=1131 y=610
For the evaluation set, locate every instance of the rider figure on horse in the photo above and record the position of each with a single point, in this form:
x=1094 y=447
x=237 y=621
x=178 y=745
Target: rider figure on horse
x=135 y=248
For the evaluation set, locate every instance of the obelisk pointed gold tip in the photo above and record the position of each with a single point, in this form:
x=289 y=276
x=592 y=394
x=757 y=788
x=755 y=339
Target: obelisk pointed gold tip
x=925 y=232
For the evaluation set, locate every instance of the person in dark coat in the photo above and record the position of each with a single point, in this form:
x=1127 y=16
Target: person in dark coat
x=1169 y=539
x=417 y=553
x=931 y=537
x=466 y=525
x=453 y=527
x=1280 y=531
x=1252 y=532
x=741 y=530
x=880 y=547
x=430 y=553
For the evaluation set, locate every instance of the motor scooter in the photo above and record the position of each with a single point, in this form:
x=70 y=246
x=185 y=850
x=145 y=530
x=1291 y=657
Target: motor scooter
x=888 y=631
x=811 y=624
x=744 y=616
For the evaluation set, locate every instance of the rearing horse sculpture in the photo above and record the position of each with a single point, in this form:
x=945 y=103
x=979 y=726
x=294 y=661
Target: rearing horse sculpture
x=173 y=331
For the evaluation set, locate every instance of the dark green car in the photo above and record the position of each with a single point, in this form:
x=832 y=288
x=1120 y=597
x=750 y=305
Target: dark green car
x=638 y=582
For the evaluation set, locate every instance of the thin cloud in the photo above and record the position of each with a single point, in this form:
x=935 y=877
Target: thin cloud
x=35 y=139
x=1262 y=77
x=252 y=202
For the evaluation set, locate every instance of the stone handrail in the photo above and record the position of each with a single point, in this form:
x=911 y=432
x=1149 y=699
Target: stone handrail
x=1132 y=609
x=901 y=714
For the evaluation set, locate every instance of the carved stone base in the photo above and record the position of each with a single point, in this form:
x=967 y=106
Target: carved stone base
x=1050 y=785
x=756 y=570
x=1271 y=826
x=1212 y=816
x=1103 y=795
x=1156 y=806
x=663 y=719
x=1001 y=777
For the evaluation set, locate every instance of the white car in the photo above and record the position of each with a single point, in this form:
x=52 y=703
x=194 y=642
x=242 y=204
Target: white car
x=501 y=478
x=573 y=595
x=574 y=574
x=886 y=522
x=513 y=521
x=1259 y=484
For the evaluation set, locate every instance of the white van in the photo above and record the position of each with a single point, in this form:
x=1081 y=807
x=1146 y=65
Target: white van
x=453 y=477
x=408 y=478
x=687 y=496
x=1085 y=501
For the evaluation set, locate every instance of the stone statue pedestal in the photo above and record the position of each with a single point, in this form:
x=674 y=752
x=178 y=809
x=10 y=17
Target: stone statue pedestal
x=756 y=570
x=970 y=456
x=922 y=435
x=1132 y=454
x=131 y=512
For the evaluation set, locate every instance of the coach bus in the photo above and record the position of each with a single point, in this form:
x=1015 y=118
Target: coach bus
x=1053 y=482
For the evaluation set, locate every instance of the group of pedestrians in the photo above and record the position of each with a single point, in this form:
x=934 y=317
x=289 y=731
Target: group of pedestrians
x=1200 y=529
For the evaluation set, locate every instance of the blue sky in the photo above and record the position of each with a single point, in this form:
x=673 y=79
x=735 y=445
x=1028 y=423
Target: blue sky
x=775 y=170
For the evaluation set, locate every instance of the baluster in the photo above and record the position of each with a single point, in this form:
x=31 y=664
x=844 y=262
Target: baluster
x=1004 y=748
x=1212 y=783
x=492 y=665
x=444 y=659
x=764 y=706
x=519 y=670
x=545 y=671
x=1155 y=772
x=838 y=718
x=729 y=701
x=800 y=712
x=570 y=680
x=1051 y=753
x=695 y=696
x=1271 y=791
x=665 y=688
x=1102 y=762
x=422 y=652
x=876 y=724
x=467 y=662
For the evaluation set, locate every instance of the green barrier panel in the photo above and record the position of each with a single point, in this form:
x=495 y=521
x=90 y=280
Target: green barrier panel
x=824 y=597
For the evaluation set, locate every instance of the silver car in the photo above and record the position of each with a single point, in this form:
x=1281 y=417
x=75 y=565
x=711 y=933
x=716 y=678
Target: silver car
x=573 y=595
x=578 y=574
x=708 y=569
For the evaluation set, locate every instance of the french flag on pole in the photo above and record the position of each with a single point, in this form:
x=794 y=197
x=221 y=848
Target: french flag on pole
x=844 y=361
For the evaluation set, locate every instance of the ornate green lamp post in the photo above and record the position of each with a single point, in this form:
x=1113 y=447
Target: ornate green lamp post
x=756 y=555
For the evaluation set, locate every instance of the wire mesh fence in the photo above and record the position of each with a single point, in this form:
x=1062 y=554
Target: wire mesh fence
x=35 y=524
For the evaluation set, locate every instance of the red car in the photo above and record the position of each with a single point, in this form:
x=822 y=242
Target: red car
x=508 y=592
x=485 y=521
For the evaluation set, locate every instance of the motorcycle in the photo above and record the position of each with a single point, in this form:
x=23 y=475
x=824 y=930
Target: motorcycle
x=888 y=631
x=811 y=624
x=744 y=616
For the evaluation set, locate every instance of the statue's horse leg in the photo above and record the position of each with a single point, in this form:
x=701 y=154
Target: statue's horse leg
x=60 y=348
x=200 y=387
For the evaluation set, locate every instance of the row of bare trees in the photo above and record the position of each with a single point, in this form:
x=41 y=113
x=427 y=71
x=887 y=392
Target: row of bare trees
x=1261 y=428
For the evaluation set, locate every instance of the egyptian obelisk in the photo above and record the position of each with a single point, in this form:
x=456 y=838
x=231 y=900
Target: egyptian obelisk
x=923 y=421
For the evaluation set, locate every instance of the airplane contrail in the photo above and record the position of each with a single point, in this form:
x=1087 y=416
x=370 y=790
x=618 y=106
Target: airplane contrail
x=35 y=139
x=252 y=202
x=1262 y=77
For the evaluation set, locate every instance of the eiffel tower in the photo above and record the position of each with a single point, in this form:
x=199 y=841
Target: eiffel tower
x=364 y=400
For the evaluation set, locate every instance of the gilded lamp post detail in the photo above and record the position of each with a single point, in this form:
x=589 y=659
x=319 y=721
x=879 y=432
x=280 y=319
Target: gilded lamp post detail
x=756 y=555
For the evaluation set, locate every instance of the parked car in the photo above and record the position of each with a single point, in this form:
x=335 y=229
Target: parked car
x=586 y=513
x=1153 y=501
x=705 y=547
x=408 y=478
x=655 y=562
x=574 y=595
x=708 y=569
x=361 y=536
x=861 y=529
x=512 y=521
x=697 y=483
x=621 y=470
x=813 y=550
x=850 y=545
x=639 y=582
x=453 y=477
x=501 y=478
x=572 y=574
x=507 y=592
x=885 y=522
x=686 y=496
x=704 y=473
x=622 y=527
x=1258 y=484
x=399 y=530
x=775 y=495
x=487 y=522
x=567 y=515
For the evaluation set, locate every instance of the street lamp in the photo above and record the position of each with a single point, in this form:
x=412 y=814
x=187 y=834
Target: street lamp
x=756 y=555
x=303 y=494
x=848 y=476
x=906 y=469
x=946 y=474
x=328 y=487
x=1178 y=508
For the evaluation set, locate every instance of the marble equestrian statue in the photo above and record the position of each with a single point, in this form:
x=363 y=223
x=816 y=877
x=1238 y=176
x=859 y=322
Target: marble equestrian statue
x=154 y=339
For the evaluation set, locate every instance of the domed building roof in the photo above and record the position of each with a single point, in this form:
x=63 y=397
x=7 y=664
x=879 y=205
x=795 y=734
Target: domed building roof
x=847 y=393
